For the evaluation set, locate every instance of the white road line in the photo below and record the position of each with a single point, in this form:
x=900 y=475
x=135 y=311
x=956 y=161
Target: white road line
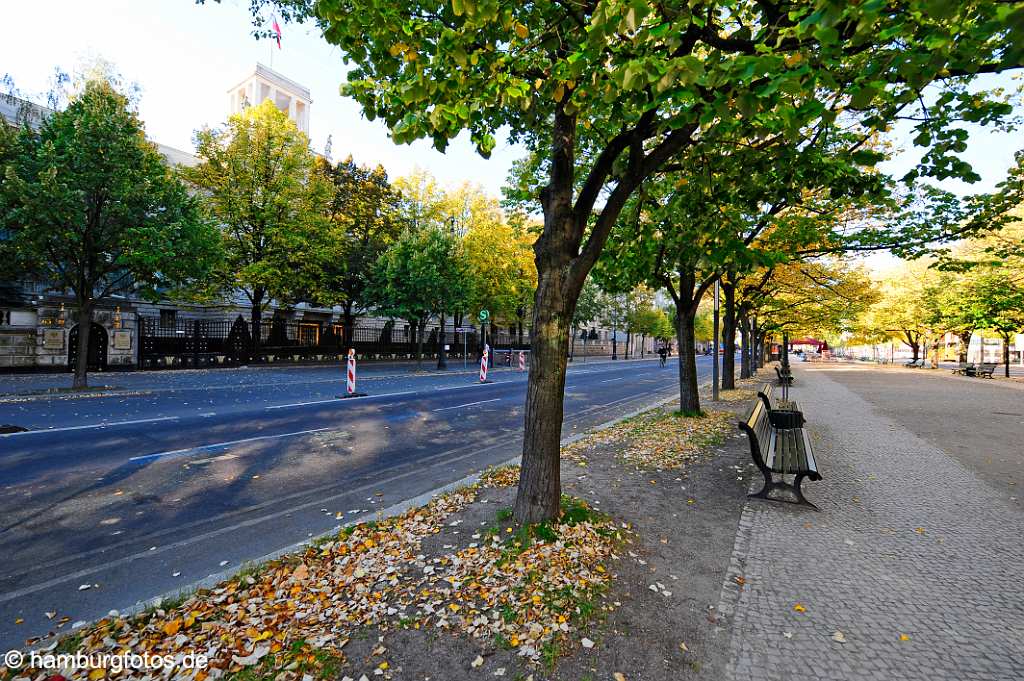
x=96 y=425
x=378 y=484
x=609 y=380
x=335 y=400
x=471 y=385
x=218 y=445
x=469 y=404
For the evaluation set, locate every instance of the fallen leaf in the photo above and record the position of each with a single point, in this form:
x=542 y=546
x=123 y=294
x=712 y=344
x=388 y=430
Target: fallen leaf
x=839 y=637
x=799 y=608
x=478 y=662
x=787 y=634
x=618 y=676
x=904 y=637
x=682 y=647
x=249 y=660
x=587 y=643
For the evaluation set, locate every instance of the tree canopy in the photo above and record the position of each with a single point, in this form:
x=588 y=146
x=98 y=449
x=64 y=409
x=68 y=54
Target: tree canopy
x=263 y=187
x=91 y=207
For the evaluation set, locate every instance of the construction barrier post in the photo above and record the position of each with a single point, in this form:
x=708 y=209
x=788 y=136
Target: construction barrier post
x=483 y=364
x=350 y=377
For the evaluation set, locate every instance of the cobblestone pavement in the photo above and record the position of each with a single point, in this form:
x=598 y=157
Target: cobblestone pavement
x=918 y=563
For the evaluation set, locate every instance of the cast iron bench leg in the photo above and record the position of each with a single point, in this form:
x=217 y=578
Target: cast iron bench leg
x=801 y=499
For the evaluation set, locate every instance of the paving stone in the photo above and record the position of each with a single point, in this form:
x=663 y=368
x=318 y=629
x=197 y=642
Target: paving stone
x=908 y=542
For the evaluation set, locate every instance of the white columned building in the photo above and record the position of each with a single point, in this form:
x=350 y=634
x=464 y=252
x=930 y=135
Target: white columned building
x=264 y=83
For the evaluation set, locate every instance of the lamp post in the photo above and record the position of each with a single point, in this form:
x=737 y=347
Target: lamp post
x=442 y=354
x=714 y=349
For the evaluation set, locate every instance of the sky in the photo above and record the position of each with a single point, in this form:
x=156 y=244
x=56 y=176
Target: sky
x=185 y=57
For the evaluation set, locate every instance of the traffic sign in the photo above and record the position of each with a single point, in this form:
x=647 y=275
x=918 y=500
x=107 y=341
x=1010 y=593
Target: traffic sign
x=484 y=314
x=465 y=329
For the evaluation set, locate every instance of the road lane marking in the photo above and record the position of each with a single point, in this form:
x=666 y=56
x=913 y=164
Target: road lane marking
x=471 y=385
x=334 y=400
x=95 y=425
x=469 y=404
x=437 y=459
x=609 y=380
x=220 y=445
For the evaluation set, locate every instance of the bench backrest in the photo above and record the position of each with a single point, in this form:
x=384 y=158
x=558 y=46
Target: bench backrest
x=758 y=427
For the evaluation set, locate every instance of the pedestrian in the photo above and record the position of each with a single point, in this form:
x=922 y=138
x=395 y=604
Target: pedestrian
x=662 y=354
x=508 y=359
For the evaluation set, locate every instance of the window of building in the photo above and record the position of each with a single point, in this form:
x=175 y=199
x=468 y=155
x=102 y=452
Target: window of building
x=168 y=319
x=309 y=334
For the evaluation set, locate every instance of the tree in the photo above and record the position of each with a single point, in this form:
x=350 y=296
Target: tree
x=365 y=217
x=998 y=302
x=820 y=297
x=499 y=253
x=607 y=94
x=423 y=273
x=90 y=207
x=588 y=308
x=262 y=185
x=645 y=320
x=902 y=311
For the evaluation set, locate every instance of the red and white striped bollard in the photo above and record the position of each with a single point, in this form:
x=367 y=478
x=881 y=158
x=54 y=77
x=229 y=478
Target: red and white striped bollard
x=483 y=363
x=350 y=382
x=350 y=377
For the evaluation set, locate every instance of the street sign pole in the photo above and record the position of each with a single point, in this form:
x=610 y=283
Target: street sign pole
x=714 y=351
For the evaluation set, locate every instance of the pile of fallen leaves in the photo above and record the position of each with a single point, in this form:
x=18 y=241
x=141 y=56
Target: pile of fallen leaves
x=526 y=590
x=658 y=439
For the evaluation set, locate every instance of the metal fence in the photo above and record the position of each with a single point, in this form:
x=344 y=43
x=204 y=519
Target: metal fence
x=196 y=343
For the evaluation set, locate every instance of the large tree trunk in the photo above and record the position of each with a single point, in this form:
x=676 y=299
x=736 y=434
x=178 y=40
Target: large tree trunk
x=256 y=319
x=442 y=358
x=689 y=397
x=539 y=478
x=729 y=338
x=1006 y=354
x=686 y=311
x=81 y=379
x=965 y=342
x=916 y=349
x=744 y=346
x=348 y=325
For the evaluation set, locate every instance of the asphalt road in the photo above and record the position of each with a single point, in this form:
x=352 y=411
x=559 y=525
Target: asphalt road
x=137 y=496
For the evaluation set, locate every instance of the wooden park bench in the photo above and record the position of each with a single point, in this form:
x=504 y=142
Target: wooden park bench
x=785 y=413
x=785 y=376
x=964 y=369
x=985 y=370
x=779 y=451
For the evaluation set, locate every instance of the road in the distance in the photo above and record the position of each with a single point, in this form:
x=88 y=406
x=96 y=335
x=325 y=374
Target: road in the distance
x=162 y=496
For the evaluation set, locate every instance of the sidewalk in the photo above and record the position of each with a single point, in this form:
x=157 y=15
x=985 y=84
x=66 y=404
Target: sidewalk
x=915 y=561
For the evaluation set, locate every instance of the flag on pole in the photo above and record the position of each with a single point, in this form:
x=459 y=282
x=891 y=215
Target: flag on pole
x=277 y=31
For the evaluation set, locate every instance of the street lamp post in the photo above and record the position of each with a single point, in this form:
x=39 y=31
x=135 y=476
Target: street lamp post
x=714 y=349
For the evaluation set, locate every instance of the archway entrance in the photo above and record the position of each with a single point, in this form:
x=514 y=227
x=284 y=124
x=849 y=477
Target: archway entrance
x=97 y=357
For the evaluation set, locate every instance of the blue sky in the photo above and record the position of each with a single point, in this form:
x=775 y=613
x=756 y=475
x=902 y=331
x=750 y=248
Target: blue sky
x=185 y=56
